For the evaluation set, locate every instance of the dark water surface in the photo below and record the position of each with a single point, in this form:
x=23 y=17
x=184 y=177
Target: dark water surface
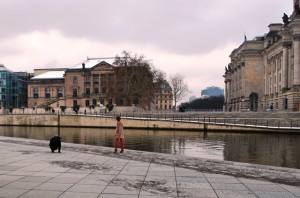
x=257 y=148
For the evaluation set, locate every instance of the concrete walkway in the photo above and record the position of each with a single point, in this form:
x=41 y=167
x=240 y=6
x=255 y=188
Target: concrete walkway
x=29 y=169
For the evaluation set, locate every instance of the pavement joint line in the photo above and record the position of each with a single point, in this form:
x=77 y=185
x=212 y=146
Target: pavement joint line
x=247 y=187
x=114 y=177
x=74 y=183
x=211 y=185
x=174 y=168
x=144 y=178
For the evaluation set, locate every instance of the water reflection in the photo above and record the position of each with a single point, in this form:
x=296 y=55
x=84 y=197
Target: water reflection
x=270 y=149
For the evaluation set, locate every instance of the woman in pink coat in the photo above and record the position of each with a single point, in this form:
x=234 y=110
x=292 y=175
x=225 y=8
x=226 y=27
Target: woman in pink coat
x=119 y=135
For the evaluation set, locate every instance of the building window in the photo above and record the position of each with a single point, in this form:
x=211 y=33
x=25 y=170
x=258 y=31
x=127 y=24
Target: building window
x=47 y=92
x=74 y=103
x=59 y=92
x=94 y=102
x=75 y=80
x=35 y=92
x=3 y=97
x=87 y=91
x=96 y=79
x=3 y=90
x=87 y=103
x=104 y=90
x=96 y=90
x=87 y=79
x=74 y=92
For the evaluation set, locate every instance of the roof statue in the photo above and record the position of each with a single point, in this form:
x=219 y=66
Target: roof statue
x=285 y=19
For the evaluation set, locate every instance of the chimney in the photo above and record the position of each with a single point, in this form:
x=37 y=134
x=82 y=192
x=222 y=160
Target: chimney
x=83 y=66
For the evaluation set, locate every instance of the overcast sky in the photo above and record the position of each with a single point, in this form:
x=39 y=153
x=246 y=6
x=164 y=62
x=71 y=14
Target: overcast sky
x=190 y=37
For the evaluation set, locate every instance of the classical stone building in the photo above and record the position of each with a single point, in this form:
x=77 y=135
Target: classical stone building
x=265 y=71
x=86 y=84
x=164 y=97
x=46 y=89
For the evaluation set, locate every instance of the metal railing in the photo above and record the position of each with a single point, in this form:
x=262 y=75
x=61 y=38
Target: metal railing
x=172 y=116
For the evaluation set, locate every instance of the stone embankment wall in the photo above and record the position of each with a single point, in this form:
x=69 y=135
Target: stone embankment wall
x=110 y=122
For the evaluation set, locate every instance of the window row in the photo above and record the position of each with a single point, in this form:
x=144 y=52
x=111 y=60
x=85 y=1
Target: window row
x=59 y=92
x=95 y=78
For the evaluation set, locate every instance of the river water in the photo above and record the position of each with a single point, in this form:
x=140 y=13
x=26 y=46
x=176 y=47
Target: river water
x=281 y=150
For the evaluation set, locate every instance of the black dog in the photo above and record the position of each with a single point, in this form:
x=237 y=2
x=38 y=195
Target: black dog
x=55 y=143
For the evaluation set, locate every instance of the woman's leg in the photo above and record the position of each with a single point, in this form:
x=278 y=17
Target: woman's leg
x=122 y=144
x=116 y=144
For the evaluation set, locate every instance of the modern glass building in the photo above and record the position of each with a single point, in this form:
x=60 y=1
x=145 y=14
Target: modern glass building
x=212 y=91
x=13 y=88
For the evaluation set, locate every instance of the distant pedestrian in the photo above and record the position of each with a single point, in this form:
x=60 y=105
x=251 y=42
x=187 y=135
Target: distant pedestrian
x=119 y=135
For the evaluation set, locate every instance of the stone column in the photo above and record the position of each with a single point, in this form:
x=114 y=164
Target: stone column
x=92 y=83
x=297 y=61
x=285 y=59
x=266 y=91
x=226 y=91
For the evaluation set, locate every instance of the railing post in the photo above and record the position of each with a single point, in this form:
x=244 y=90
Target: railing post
x=267 y=124
x=278 y=124
x=291 y=124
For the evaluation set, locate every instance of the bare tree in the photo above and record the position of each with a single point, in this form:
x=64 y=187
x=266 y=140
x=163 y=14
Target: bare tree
x=135 y=79
x=179 y=87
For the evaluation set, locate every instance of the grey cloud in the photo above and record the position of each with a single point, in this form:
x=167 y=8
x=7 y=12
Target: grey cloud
x=179 y=26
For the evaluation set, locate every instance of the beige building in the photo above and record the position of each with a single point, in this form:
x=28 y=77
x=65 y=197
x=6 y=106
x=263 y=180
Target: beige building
x=265 y=71
x=86 y=84
x=164 y=97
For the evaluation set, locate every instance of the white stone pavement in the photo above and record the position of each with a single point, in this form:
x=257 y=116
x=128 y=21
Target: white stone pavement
x=29 y=169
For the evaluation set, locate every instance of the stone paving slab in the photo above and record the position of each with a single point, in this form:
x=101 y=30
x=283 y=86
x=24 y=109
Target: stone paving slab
x=29 y=169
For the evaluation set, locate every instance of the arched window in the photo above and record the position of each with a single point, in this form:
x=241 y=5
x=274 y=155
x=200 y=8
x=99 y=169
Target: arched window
x=253 y=99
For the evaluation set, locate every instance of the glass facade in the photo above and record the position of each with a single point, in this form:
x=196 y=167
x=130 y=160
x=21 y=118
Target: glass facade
x=13 y=88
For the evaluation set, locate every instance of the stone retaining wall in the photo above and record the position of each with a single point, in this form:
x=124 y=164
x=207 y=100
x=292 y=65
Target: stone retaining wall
x=110 y=122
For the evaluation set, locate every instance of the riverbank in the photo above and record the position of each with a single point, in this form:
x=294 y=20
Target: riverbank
x=29 y=169
x=282 y=122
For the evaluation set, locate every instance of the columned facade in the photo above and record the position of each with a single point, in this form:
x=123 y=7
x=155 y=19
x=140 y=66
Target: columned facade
x=276 y=59
x=243 y=80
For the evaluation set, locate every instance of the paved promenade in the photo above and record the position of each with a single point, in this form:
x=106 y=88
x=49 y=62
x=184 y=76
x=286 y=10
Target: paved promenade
x=29 y=169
